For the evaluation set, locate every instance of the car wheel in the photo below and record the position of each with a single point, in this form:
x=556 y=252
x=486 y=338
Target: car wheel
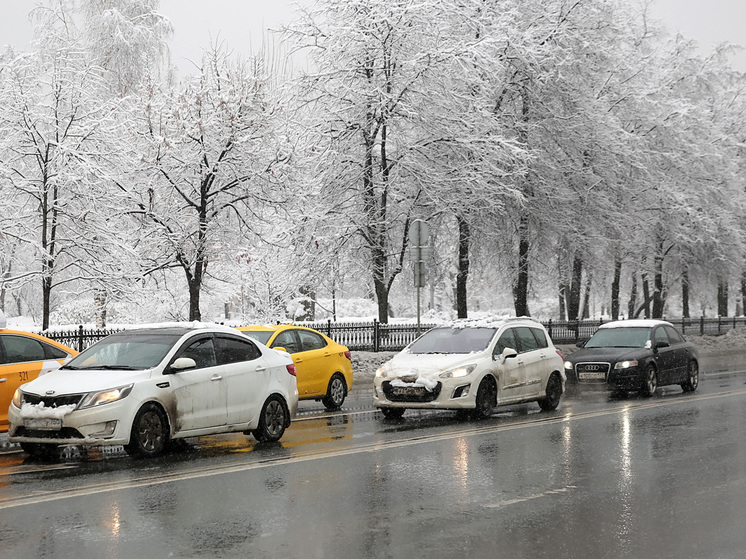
x=272 y=421
x=392 y=413
x=41 y=450
x=486 y=398
x=149 y=435
x=554 y=393
x=336 y=393
x=692 y=381
x=650 y=382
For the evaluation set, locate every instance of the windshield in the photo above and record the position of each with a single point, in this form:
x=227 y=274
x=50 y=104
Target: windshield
x=125 y=352
x=619 y=337
x=453 y=340
x=261 y=336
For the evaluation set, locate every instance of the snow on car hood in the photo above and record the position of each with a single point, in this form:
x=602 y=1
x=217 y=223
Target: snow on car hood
x=415 y=365
x=65 y=381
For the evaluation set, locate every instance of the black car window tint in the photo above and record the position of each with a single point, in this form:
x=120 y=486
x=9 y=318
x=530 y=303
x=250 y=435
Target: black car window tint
x=506 y=340
x=526 y=339
x=203 y=353
x=310 y=340
x=235 y=350
x=54 y=352
x=674 y=335
x=541 y=337
x=288 y=340
x=660 y=335
x=19 y=349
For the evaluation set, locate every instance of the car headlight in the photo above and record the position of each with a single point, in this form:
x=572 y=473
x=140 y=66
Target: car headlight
x=458 y=371
x=625 y=364
x=381 y=372
x=93 y=399
x=17 y=398
x=568 y=365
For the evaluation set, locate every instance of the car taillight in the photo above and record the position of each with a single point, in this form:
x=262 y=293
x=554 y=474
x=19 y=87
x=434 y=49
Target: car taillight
x=560 y=354
x=291 y=369
x=348 y=355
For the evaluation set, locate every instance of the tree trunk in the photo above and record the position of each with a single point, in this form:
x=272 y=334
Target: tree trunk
x=645 y=296
x=685 y=293
x=722 y=298
x=464 y=238
x=587 y=297
x=573 y=302
x=615 y=288
x=659 y=293
x=520 y=288
x=632 y=303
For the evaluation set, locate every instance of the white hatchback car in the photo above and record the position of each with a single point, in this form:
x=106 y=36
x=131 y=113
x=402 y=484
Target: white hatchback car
x=473 y=365
x=142 y=387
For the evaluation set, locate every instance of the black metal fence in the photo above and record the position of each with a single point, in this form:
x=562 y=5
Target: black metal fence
x=375 y=336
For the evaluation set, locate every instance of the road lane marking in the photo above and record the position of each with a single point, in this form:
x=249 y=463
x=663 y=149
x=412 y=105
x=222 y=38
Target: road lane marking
x=376 y=446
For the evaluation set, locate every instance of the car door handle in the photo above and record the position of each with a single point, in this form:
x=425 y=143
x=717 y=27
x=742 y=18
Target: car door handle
x=3 y=379
x=261 y=369
x=299 y=360
x=216 y=377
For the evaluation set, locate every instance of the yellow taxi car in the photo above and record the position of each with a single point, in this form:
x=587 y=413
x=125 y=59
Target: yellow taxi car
x=23 y=357
x=323 y=367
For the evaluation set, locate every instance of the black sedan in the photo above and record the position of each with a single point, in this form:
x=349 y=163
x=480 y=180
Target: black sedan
x=635 y=355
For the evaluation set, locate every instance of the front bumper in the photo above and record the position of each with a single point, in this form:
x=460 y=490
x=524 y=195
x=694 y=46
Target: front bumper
x=456 y=394
x=630 y=378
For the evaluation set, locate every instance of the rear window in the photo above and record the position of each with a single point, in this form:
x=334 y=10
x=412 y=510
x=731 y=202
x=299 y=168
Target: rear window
x=261 y=336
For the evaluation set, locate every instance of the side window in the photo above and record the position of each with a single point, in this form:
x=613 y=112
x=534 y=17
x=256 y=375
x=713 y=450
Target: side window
x=235 y=350
x=310 y=340
x=203 y=353
x=673 y=335
x=288 y=340
x=506 y=339
x=19 y=349
x=526 y=339
x=660 y=335
x=541 y=337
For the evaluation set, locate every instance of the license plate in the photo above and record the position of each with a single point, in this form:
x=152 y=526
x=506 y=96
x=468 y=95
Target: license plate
x=43 y=424
x=592 y=376
x=406 y=390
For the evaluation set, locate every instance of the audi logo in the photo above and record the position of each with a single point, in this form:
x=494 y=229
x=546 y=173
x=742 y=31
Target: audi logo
x=591 y=367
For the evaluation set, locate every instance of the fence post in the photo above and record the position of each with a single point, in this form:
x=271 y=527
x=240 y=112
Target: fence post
x=329 y=327
x=702 y=325
x=577 y=330
x=549 y=328
x=720 y=319
x=80 y=337
x=376 y=343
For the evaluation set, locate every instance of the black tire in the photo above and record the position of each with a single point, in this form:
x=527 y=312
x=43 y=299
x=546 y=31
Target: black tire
x=692 y=381
x=553 y=393
x=273 y=420
x=149 y=435
x=335 y=393
x=392 y=413
x=40 y=450
x=650 y=381
x=486 y=398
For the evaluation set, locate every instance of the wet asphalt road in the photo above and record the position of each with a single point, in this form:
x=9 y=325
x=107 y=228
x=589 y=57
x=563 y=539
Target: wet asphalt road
x=598 y=478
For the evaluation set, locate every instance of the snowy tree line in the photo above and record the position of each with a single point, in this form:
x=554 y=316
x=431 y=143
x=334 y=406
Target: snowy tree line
x=561 y=150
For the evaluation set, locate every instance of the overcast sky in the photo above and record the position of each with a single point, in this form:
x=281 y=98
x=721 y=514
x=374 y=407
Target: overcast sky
x=242 y=24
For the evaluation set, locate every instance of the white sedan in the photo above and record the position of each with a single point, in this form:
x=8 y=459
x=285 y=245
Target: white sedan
x=142 y=387
x=473 y=365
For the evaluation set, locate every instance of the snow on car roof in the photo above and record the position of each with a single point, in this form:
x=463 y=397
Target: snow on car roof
x=487 y=322
x=635 y=323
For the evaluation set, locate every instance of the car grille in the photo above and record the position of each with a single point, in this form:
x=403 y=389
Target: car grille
x=592 y=372
x=410 y=393
x=52 y=401
x=64 y=433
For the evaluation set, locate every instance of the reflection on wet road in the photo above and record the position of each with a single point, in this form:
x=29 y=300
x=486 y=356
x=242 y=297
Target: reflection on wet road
x=599 y=477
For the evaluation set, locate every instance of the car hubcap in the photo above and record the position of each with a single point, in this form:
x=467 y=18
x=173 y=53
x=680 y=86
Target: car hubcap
x=151 y=431
x=337 y=391
x=274 y=417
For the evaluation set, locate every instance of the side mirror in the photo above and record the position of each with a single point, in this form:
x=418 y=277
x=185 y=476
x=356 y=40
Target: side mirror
x=508 y=353
x=183 y=363
x=662 y=344
x=280 y=349
x=580 y=344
